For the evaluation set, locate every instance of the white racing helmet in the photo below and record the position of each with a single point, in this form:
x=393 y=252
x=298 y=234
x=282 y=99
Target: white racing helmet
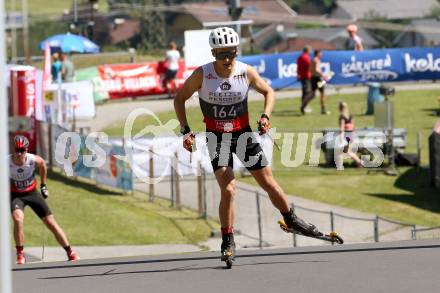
x=223 y=37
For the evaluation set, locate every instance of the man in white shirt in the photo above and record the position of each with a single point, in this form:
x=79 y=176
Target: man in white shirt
x=355 y=42
x=172 y=62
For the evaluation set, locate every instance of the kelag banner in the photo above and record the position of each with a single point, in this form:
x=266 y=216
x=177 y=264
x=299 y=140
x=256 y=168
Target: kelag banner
x=351 y=67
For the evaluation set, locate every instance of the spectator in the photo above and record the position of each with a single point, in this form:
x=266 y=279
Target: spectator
x=346 y=126
x=318 y=80
x=56 y=67
x=354 y=41
x=67 y=69
x=172 y=62
x=304 y=76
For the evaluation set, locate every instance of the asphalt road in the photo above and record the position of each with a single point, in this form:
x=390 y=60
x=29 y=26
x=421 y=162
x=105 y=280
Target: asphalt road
x=408 y=266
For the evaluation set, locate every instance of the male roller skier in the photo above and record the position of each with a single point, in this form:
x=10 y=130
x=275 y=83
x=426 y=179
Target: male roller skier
x=223 y=87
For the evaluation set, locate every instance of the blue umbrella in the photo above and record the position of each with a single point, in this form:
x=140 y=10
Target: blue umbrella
x=71 y=43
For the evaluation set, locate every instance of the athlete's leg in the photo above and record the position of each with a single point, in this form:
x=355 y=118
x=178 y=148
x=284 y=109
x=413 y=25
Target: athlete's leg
x=174 y=91
x=310 y=95
x=354 y=156
x=18 y=219
x=60 y=236
x=276 y=194
x=266 y=180
x=226 y=181
x=322 y=99
x=53 y=226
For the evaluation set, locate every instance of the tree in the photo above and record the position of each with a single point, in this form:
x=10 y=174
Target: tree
x=311 y=6
x=384 y=37
x=152 y=34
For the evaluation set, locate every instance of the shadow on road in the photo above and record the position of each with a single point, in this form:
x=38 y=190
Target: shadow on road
x=184 y=268
x=318 y=250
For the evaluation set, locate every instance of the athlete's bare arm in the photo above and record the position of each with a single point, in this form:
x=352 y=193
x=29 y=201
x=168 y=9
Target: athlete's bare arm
x=317 y=67
x=191 y=85
x=358 y=46
x=42 y=168
x=263 y=88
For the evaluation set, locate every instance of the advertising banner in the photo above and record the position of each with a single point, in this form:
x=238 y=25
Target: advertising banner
x=23 y=99
x=352 y=67
x=79 y=97
x=80 y=169
x=115 y=173
x=72 y=96
x=23 y=89
x=100 y=94
x=56 y=132
x=134 y=80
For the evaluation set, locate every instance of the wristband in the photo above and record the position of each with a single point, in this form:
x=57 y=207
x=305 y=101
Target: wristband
x=264 y=116
x=185 y=129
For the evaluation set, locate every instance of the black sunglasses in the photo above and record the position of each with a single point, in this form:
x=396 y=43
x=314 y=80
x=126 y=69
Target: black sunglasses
x=20 y=150
x=225 y=54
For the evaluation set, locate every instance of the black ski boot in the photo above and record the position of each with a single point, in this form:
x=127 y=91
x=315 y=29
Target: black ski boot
x=296 y=225
x=228 y=247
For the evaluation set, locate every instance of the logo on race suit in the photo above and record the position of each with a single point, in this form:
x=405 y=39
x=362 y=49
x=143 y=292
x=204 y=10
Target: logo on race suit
x=239 y=76
x=369 y=70
x=210 y=76
x=422 y=64
x=226 y=86
x=225 y=125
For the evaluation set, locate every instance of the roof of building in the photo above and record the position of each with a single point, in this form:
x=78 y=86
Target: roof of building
x=330 y=34
x=420 y=26
x=260 y=11
x=390 y=9
x=298 y=44
x=124 y=31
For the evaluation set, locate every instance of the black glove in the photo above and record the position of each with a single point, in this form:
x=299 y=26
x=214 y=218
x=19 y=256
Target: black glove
x=44 y=190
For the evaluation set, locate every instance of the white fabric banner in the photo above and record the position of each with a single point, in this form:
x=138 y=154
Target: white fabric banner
x=79 y=95
x=165 y=147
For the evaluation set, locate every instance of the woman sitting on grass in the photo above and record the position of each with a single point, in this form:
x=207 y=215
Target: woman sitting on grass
x=346 y=126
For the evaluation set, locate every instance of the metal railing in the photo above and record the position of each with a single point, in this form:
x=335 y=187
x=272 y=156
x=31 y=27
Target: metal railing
x=256 y=218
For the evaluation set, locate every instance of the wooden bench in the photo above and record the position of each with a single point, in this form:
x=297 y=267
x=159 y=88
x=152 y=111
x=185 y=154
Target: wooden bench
x=364 y=137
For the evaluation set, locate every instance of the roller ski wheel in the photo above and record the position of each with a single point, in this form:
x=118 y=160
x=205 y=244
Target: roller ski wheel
x=229 y=263
x=332 y=237
x=228 y=258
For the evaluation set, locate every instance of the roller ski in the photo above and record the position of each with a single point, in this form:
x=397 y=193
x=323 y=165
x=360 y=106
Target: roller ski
x=228 y=250
x=293 y=224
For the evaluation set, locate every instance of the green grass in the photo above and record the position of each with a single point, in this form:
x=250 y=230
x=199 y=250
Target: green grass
x=407 y=198
x=84 y=61
x=93 y=216
x=38 y=7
